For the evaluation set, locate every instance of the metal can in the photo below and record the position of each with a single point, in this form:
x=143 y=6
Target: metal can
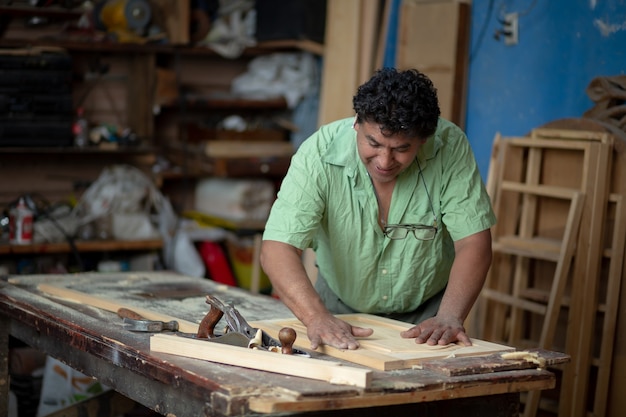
x=21 y=224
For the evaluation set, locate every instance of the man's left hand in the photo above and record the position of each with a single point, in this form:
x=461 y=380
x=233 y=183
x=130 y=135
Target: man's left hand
x=438 y=331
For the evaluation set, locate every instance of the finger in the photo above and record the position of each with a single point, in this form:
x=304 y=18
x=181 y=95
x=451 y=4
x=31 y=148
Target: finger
x=353 y=345
x=435 y=337
x=411 y=333
x=464 y=338
x=342 y=343
x=446 y=337
x=423 y=337
x=361 y=331
x=315 y=342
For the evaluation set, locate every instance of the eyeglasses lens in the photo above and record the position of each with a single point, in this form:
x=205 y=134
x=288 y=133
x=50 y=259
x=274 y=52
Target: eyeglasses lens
x=400 y=232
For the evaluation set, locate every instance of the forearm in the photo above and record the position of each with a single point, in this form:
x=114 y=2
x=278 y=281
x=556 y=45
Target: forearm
x=283 y=265
x=467 y=276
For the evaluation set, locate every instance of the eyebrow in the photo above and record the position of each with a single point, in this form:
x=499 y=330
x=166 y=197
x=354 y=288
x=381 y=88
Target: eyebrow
x=371 y=139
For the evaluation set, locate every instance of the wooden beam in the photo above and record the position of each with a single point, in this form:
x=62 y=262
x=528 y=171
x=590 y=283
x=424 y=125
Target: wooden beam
x=370 y=32
x=341 y=59
x=113 y=306
x=333 y=372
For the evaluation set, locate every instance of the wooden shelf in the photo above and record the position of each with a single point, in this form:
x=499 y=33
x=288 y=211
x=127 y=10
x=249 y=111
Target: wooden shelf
x=65 y=150
x=261 y=48
x=230 y=102
x=82 y=246
x=197 y=163
x=60 y=13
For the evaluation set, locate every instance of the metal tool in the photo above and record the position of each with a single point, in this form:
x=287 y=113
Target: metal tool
x=236 y=324
x=137 y=323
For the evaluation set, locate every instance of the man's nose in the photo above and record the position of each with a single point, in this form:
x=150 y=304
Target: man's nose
x=385 y=156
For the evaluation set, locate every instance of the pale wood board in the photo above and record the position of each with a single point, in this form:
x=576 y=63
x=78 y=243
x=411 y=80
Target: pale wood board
x=239 y=149
x=333 y=372
x=611 y=302
x=176 y=16
x=340 y=70
x=368 y=40
x=385 y=349
x=113 y=305
x=445 y=57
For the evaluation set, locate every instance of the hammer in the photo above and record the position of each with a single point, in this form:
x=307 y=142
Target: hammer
x=137 y=323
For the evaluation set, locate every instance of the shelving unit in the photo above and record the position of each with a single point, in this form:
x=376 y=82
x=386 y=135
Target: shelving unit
x=82 y=246
x=119 y=84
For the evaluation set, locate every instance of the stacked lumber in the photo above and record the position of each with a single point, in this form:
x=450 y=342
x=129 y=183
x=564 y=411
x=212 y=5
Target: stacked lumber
x=558 y=259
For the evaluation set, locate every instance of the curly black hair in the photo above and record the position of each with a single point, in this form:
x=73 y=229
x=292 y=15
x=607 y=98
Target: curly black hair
x=401 y=102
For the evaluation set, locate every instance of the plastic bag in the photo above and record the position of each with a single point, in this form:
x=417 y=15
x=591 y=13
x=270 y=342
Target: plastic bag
x=122 y=192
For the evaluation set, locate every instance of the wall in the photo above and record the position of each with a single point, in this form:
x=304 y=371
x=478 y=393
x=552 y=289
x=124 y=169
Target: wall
x=563 y=45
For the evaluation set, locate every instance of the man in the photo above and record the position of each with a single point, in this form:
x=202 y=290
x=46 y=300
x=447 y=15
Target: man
x=395 y=209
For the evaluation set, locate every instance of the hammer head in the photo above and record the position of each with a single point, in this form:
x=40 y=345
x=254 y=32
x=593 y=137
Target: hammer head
x=150 y=325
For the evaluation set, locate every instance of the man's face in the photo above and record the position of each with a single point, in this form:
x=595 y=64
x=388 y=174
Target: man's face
x=384 y=157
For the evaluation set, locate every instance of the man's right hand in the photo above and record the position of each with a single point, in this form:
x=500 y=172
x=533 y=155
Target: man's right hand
x=331 y=331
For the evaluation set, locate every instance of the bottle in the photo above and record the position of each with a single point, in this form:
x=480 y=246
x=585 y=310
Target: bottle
x=21 y=224
x=80 y=129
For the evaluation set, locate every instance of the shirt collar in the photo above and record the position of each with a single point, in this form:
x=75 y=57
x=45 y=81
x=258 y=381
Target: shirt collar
x=430 y=148
x=342 y=150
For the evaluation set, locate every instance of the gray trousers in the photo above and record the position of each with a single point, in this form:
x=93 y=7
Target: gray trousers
x=334 y=304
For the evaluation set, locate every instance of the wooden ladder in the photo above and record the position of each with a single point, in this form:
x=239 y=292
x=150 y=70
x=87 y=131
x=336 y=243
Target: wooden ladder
x=509 y=291
x=550 y=193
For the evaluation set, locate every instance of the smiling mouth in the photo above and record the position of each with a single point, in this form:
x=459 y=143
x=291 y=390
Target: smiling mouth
x=384 y=170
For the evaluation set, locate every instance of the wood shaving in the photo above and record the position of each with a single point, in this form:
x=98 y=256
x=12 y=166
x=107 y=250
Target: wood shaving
x=532 y=357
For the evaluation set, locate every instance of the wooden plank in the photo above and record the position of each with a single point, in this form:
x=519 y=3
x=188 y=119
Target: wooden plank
x=112 y=305
x=568 y=134
x=497 y=362
x=491 y=316
x=341 y=59
x=587 y=265
x=286 y=404
x=83 y=246
x=368 y=39
x=243 y=149
x=526 y=231
x=383 y=34
x=140 y=98
x=562 y=272
x=513 y=301
x=536 y=247
x=333 y=372
x=495 y=167
x=609 y=324
x=548 y=143
x=176 y=15
x=443 y=58
x=385 y=349
x=539 y=190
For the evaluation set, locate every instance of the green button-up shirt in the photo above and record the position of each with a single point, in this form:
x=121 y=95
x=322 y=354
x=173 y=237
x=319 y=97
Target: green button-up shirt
x=327 y=202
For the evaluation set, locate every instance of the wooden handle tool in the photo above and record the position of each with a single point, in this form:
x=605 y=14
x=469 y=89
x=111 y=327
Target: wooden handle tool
x=207 y=325
x=136 y=322
x=287 y=337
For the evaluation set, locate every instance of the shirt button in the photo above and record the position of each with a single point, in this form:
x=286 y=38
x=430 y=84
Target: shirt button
x=384 y=271
x=385 y=297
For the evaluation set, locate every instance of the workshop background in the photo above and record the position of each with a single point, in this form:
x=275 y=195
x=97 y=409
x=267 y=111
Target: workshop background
x=157 y=132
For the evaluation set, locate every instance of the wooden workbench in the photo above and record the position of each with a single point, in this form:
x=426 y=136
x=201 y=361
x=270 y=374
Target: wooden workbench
x=94 y=342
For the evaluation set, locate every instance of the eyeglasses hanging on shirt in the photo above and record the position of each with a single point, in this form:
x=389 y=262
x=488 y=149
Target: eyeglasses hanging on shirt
x=419 y=231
